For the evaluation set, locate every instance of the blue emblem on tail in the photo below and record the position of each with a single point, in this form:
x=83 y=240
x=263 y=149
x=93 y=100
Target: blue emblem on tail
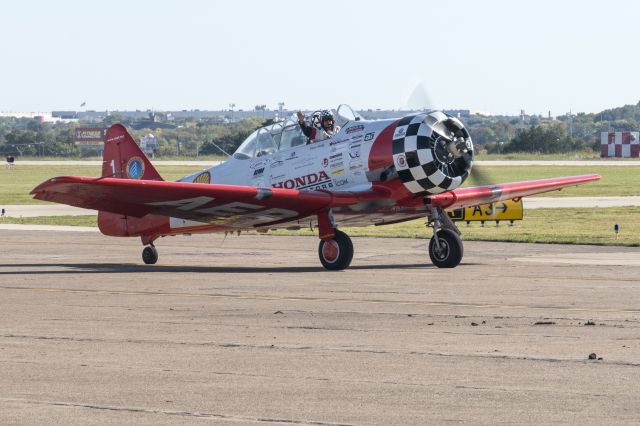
x=135 y=168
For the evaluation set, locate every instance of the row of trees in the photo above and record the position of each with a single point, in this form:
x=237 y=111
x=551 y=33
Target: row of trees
x=191 y=137
x=28 y=137
x=201 y=137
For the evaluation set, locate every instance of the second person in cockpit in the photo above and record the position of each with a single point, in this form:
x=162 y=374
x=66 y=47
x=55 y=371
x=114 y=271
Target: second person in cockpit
x=326 y=129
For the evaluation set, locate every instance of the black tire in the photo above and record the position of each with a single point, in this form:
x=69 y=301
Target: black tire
x=451 y=250
x=149 y=255
x=336 y=254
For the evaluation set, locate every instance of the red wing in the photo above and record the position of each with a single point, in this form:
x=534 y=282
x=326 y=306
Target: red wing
x=463 y=197
x=225 y=204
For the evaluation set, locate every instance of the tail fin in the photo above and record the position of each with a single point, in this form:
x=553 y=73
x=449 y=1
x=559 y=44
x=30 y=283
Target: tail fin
x=123 y=158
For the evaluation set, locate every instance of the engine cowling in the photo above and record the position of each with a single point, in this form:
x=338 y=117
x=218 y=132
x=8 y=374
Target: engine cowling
x=432 y=152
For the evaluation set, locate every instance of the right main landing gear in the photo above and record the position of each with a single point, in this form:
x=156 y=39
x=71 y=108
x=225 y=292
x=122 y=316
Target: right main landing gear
x=150 y=254
x=447 y=251
x=445 y=247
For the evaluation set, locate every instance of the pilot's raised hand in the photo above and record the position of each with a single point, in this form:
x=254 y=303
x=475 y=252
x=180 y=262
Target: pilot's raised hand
x=300 y=115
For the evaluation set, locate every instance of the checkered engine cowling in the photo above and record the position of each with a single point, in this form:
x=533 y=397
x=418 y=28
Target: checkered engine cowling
x=432 y=152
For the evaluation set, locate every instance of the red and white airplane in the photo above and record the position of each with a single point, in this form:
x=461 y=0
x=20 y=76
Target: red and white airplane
x=369 y=173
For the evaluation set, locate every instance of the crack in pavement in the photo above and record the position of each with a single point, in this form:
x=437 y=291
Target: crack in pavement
x=174 y=413
x=254 y=296
x=321 y=349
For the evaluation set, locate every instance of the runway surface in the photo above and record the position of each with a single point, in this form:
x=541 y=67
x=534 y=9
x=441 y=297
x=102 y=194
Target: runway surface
x=251 y=329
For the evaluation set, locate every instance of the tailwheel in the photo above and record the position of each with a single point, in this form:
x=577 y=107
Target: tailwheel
x=447 y=251
x=336 y=253
x=150 y=255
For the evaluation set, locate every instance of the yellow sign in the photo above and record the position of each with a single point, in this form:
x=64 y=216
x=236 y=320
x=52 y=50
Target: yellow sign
x=501 y=210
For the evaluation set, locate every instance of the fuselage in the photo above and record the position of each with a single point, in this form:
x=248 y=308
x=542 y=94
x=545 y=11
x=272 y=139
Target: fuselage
x=341 y=163
x=397 y=156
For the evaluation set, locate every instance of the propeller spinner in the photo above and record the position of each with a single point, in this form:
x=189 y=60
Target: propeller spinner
x=432 y=152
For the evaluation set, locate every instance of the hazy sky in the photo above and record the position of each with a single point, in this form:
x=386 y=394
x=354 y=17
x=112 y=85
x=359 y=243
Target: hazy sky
x=490 y=56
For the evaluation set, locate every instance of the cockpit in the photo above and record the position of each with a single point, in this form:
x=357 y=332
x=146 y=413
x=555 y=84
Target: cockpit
x=286 y=134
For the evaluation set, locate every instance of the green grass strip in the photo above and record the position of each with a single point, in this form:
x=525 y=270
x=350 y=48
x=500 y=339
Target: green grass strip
x=555 y=226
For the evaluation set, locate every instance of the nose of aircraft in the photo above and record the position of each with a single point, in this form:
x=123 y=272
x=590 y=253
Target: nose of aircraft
x=432 y=152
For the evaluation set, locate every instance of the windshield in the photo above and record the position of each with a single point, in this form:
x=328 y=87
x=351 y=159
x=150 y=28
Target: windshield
x=345 y=114
x=267 y=140
x=286 y=134
x=247 y=148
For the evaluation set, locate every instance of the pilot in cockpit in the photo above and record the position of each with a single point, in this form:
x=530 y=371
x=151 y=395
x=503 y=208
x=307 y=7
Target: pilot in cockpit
x=325 y=130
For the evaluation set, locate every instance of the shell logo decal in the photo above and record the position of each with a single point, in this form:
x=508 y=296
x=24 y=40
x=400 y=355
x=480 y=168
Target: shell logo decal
x=204 y=177
x=135 y=168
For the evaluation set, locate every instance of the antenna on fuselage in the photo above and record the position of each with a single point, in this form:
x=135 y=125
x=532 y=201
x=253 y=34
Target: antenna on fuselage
x=222 y=150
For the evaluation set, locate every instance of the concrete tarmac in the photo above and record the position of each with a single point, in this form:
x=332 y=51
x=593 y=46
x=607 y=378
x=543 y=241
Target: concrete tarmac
x=251 y=329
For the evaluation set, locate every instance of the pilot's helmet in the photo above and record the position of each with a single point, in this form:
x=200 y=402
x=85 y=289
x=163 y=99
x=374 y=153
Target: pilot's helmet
x=326 y=115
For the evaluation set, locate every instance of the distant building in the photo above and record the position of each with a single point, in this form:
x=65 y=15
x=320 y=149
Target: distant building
x=620 y=144
x=66 y=115
x=42 y=117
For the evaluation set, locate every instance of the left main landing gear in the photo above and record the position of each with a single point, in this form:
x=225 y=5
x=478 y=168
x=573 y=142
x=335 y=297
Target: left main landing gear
x=445 y=247
x=335 y=249
x=150 y=254
x=336 y=253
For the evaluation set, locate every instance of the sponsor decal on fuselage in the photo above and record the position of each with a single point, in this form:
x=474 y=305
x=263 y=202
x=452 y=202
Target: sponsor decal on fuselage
x=341 y=182
x=354 y=129
x=337 y=171
x=355 y=164
x=258 y=165
x=317 y=145
x=400 y=132
x=309 y=181
x=369 y=136
x=204 y=177
x=258 y=172
x=338 y=141
x=303 y=164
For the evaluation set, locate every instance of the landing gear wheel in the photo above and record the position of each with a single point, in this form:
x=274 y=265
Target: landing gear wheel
x=149 y=255
x=450 y=252
x=336 y=253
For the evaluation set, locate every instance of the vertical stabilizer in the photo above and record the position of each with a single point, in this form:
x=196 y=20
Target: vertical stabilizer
x=124 y=159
